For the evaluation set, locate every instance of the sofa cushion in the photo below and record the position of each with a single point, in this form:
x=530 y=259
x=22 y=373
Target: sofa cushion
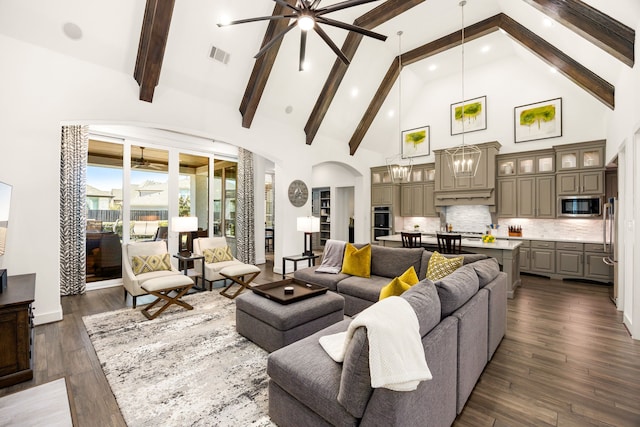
x=217 y=254
x=425 y=301
x=457 y=288
x=440 y=266
x=357 y=262
x=146 y=264
x=359 y=287
x=487 y=270
x=309 y=275
x=470 y=258
x=400 y=284
x=392 y=262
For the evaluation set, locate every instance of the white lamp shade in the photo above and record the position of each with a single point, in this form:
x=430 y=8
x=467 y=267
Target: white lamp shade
x=309 y=224
x=184 y=223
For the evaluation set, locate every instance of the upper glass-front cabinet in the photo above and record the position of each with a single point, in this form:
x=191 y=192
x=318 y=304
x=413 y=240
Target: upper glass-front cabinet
x=581 y=158
x=380 y=175
x=527 y=163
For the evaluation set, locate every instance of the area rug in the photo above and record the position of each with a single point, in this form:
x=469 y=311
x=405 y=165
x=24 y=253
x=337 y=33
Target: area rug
x=184 y=368
x=46 y=405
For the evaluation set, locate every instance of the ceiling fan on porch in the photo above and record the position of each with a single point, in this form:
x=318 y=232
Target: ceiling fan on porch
x=142 y=163
x=307 y=14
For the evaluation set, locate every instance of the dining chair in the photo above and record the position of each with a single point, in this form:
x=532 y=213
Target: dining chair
x=411 y=240
x=449 y=243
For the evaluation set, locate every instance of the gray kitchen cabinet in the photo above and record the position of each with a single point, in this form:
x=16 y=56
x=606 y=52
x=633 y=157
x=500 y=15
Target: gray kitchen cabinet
x=583 y=155
x=382 y=194
x=506 y=192
x=429 y=207
x=536 y=196
x=570 y=259
x=412 y=200
x=485 y=174
x=543 y=257
x=594 y=267
x=574 y=183
x=525 y=256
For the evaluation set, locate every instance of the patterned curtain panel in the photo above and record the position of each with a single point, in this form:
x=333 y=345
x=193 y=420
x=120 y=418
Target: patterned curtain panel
x=245 y=218
x=73 y=189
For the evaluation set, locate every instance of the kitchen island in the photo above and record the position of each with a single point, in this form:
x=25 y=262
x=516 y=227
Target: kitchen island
x=507 y=252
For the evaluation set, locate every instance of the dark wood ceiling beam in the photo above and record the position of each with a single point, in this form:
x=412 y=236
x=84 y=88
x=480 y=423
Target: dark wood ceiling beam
x=262 y=67
x=572 y=69
x=377 y=16
x=153 y=41
x=605 y=32
x=577 y=73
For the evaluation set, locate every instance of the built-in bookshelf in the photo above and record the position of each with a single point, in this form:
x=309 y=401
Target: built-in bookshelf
x=321 y=207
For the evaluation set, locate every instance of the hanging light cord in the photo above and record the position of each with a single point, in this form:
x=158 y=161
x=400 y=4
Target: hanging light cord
x=462 y=3
x=400 y=87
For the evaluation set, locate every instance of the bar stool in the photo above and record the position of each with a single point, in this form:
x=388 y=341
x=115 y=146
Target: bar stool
x=449 y=243
x=411 y=240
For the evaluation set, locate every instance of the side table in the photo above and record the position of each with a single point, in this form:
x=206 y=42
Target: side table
x=183 y=264
x=311 y=260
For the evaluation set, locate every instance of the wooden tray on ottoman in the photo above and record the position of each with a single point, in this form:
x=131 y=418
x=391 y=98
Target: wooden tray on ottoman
x=301 y=290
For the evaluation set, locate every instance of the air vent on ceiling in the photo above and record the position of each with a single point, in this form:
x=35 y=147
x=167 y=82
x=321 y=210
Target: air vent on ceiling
x=219 y=55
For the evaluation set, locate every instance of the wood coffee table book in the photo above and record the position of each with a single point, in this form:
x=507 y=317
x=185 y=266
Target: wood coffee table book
x=301 y=290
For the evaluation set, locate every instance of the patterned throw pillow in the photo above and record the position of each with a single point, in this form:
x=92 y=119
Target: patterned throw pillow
x=357 y=262
x=217 y=254
x=400 y=284
x=440 y=266
x=145 y=264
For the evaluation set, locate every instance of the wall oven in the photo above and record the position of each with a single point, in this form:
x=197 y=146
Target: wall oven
x=382 y=222
x=580 y=206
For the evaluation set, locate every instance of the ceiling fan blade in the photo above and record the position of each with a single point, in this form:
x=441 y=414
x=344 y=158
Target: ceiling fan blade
x=350 y=27
x=303 y=49
x=275 y=39
x=283 y=3
x=331 y=44
x=342 y=5
x=261 y=18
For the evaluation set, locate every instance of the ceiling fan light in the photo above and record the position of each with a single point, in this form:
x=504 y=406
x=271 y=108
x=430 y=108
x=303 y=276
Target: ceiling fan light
x=306 y=22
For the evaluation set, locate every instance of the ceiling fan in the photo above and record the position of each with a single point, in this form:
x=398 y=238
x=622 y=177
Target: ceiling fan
x=307 y=14
x=142 y=163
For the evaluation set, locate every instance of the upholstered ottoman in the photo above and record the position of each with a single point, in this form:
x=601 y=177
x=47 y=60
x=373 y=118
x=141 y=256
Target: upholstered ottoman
x=272 y=325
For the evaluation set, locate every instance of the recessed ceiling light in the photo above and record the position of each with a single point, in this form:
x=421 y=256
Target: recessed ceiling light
x=503 y=31
x=485 y=49
x=433 y=67
x=553 y=70
x=71 y=30
x=306 y=66
x=354 y=92
x=547 y=22
x=391 y=113
x=224 y=19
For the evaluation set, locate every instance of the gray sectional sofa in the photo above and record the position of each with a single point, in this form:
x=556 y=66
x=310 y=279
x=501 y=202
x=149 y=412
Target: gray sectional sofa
x=462 y=320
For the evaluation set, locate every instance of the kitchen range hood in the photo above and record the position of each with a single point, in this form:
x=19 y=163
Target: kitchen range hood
x=477 y=190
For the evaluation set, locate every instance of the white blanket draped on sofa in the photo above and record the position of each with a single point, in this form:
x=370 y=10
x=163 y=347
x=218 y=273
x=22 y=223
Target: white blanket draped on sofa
x=396 y=355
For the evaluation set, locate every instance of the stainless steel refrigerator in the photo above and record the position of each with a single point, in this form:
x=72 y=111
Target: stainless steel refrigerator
x=609 y=237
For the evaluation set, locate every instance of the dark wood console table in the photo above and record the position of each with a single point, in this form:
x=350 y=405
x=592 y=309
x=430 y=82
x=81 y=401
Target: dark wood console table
x=16 y=324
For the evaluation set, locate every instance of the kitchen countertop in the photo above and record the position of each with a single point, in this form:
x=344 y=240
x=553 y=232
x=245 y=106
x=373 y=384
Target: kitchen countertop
x=597 y=241
x=469 y=242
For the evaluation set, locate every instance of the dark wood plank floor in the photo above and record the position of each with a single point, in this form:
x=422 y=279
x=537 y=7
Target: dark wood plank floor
x=566 y=360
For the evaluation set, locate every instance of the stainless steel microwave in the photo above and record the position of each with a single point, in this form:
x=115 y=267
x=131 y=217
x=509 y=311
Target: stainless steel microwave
x=580 y=206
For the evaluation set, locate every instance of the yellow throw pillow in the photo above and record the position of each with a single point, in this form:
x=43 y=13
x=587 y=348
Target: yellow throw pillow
x=357 y=262
x=146 y=264
x=440 y=266
x=400 y=284
x=217 y=254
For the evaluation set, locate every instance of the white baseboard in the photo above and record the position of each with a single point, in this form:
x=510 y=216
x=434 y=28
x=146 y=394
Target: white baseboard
x=49 y=317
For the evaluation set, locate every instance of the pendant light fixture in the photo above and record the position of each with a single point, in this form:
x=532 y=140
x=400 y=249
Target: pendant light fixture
x=464 y=159
x=399 y=168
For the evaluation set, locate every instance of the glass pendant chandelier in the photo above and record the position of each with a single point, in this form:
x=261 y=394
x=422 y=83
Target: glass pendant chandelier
x=399 y=168
x=463 y=160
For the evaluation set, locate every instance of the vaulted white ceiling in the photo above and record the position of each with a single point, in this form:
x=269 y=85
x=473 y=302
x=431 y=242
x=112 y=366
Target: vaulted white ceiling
x=111 y=33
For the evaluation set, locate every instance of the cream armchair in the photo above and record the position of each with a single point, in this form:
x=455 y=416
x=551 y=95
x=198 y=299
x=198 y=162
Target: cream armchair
x=132 y=283
x=211 y=270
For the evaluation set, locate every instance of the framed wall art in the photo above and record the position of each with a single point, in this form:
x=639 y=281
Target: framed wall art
x=540 y=120
x=475 y=115
x=415 y=142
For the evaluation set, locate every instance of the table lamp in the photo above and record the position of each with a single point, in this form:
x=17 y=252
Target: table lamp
x=184 y=225
x=308 y=225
